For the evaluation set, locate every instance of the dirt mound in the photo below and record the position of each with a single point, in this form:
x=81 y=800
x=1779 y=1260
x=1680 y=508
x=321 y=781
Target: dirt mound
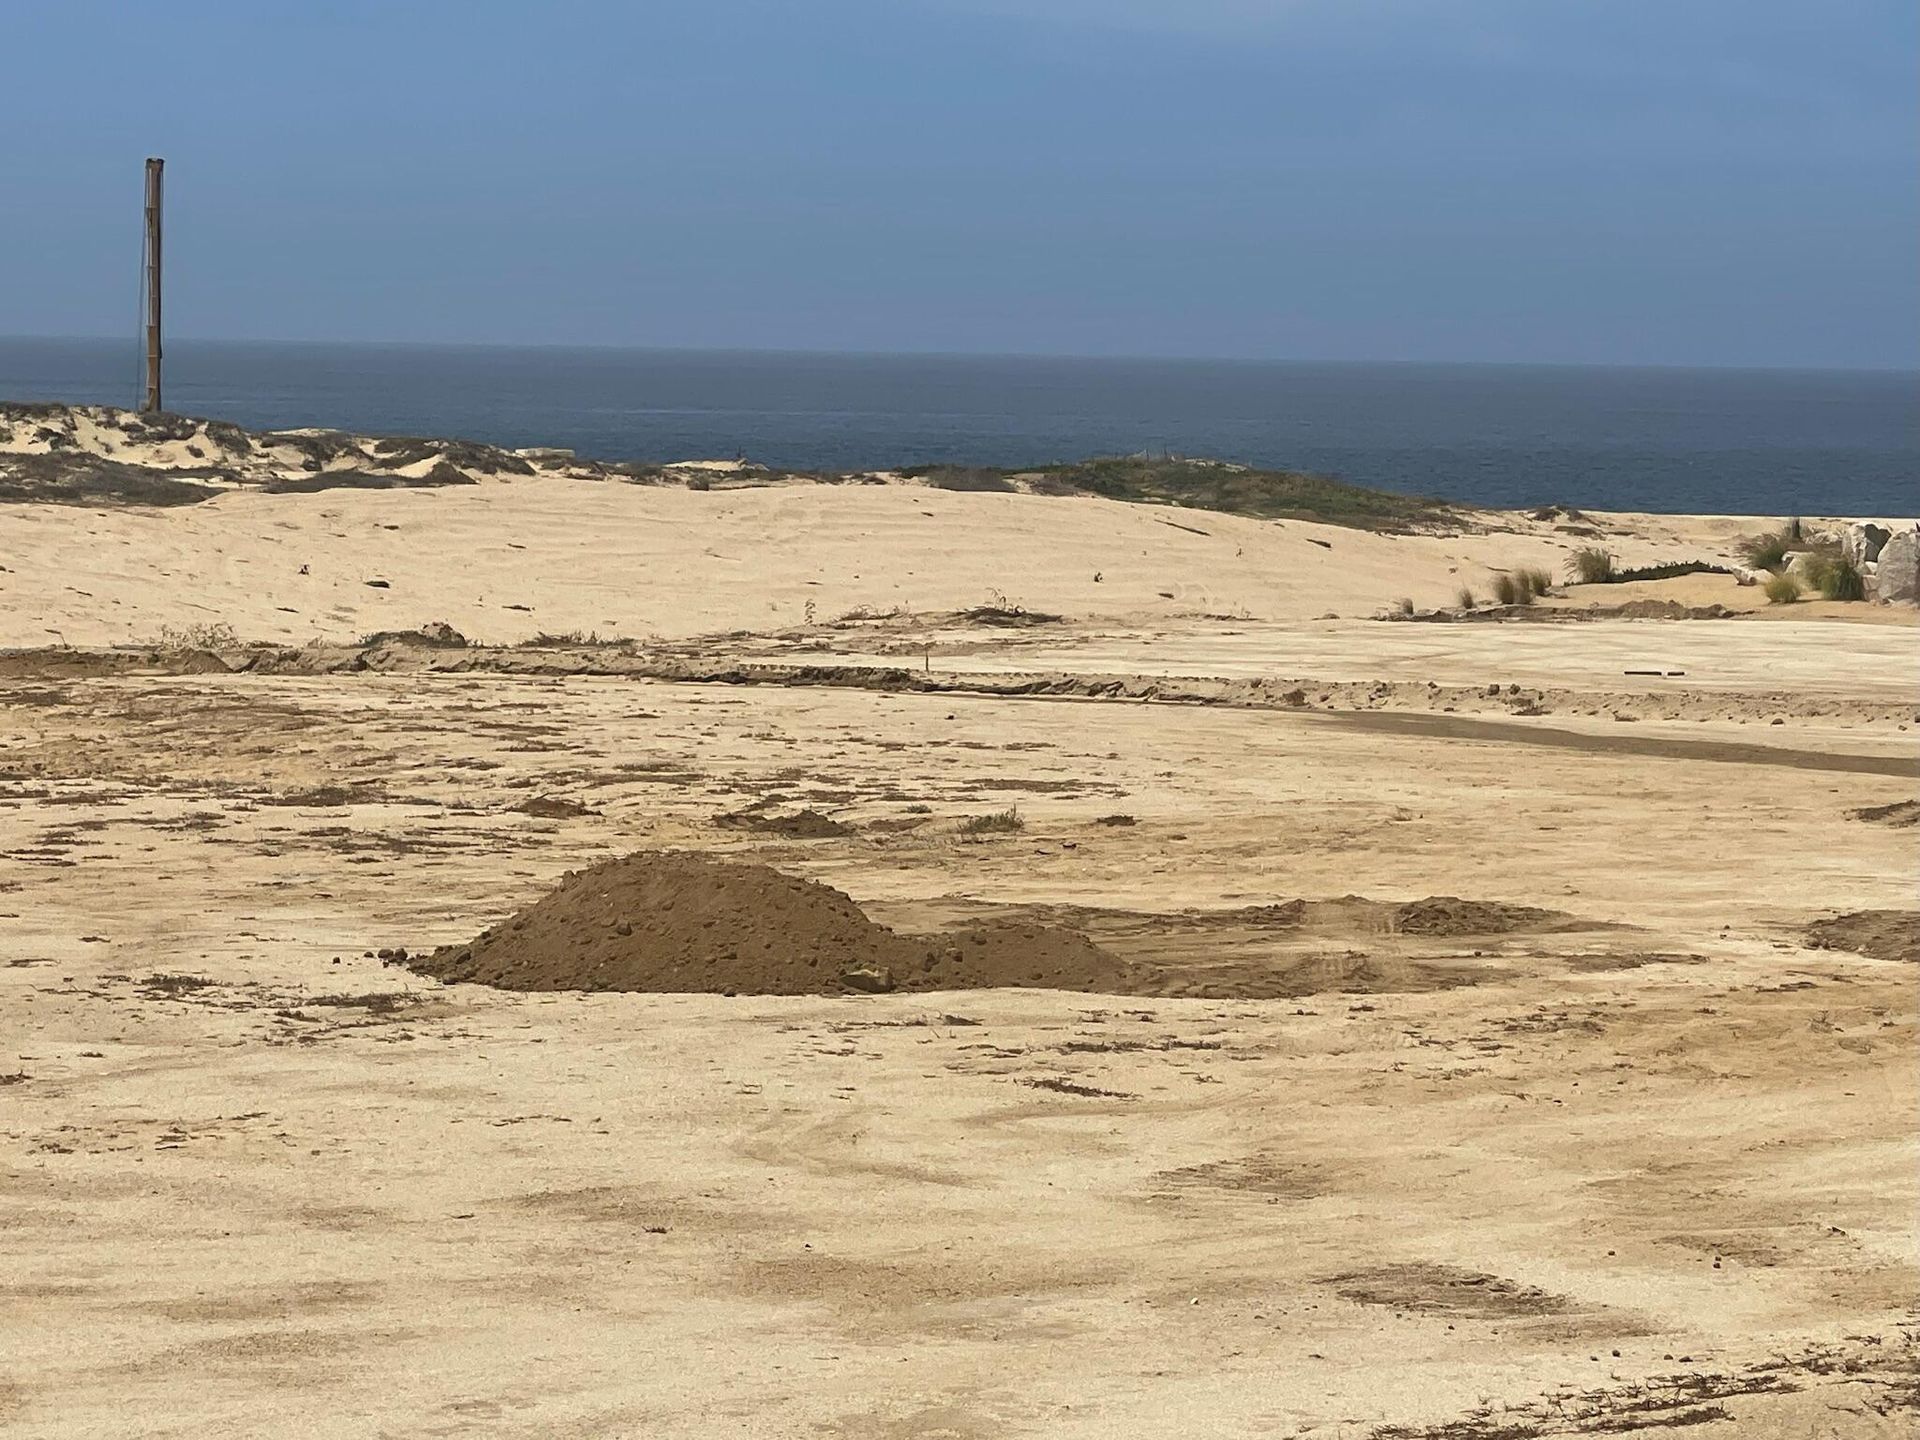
x=1450 y=915
x=674 y=922
x=1879 y=934
x=801 y=825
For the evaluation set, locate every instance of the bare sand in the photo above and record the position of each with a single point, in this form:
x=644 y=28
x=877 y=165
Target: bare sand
x=1648 y=1162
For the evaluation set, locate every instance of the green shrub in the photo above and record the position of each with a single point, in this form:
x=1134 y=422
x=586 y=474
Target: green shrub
x=1782 y=590
x=1514 y=587
x=1766 y=552
x=1841 y=580
x=1590 y=565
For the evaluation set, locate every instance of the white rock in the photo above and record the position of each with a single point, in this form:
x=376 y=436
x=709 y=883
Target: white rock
x=1896 y=578
x=1861 y=542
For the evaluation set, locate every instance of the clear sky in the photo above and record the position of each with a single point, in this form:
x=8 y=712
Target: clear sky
x=1721 y=182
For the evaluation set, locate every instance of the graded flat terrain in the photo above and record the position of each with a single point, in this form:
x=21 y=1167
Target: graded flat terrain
x=1498 y=1090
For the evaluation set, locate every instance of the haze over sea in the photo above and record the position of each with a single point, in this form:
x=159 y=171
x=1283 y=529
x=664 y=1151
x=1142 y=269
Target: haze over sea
x=1763 y=442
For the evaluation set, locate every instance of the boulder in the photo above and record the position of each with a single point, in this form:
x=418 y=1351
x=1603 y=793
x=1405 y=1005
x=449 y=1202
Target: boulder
x=1896 y=578
x=1861 y=543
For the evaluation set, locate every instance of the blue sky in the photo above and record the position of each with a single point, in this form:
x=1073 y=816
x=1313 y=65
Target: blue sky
x=1722 y=182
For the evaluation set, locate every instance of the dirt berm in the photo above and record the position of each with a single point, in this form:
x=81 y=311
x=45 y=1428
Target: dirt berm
x=676 y=922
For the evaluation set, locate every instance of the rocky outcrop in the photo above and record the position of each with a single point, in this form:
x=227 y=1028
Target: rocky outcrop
x=1861 y=542
x=1896 y=578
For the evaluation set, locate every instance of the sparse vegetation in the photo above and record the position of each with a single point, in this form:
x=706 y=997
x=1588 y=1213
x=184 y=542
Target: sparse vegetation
x=1465 y=599
x=1668 y=571
x=1404 y=605
x=1590 y=565
x=1513 y=587
x=209 y=635
x=1766 y=552
x=1841 y=580
x=1539 y=581
x=163 y=984
x=570 y=637
x=1208 y=485
x=1782 y=590
x=966 y=478
x=998 y=610
x=995 y=822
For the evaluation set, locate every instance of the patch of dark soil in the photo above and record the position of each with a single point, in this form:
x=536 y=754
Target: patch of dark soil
x=1450 y=915
x=1901 y=814
x=1074 y=1087
x=374 y=1002
x=1629 y=960
x=1256 y=1174
x=553 y=807
x=1447 y=1290
x=802 y=825
x=329 y=796
x=319 y=480
x=165 y=986
x=675 y=922
x=1009 y=616
x=1879 y=934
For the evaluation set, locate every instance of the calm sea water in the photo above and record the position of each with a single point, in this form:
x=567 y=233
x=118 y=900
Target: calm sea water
x=1724 y=441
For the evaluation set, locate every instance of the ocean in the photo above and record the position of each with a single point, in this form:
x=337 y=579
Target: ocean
x=1761 y=442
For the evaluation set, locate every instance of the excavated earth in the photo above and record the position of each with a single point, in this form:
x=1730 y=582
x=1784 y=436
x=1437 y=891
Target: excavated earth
x=680 y=922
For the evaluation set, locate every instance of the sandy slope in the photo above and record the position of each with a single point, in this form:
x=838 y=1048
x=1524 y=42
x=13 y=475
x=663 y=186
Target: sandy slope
x=507 y=559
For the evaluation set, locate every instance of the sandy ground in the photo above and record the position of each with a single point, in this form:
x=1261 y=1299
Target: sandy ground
x=1650 y=1166
x=507 y=559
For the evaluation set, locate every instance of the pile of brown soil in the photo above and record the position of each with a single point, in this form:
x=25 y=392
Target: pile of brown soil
x=801 y=825
x=675 y=922
x=1879 y=934
x=1450 y=915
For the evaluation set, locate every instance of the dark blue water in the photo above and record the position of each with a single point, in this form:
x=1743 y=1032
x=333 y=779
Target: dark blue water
x=1719 y=441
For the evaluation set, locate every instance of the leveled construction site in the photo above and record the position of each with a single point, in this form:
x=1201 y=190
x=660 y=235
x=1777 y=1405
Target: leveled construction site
x=494 y=944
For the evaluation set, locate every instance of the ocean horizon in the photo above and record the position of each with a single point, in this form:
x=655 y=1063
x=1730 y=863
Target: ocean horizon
x=1676 y=439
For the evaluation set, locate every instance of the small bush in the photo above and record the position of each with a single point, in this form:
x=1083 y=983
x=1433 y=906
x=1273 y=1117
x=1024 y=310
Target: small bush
x=1782 y=590
x=1841 y=580
x=212 y=636
x=1765 y=552
x=1539 y=581
x=1513 y=587
x=1590 y=565
x=1403 y=606
x=997 y=822
x=1465 y=599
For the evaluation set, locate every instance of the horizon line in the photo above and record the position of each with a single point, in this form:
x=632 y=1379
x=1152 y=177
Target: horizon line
x=1911 y=368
